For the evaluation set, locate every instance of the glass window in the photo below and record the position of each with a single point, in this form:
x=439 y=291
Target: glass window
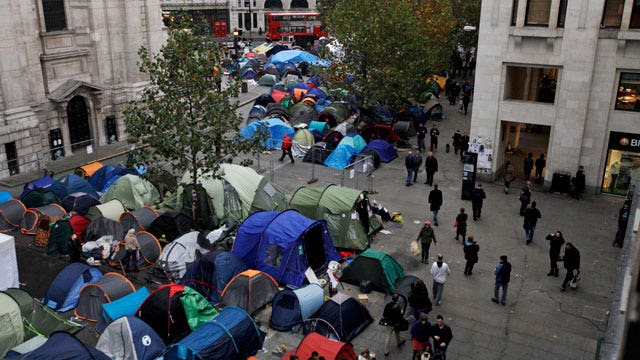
x=622 y=169
x=562 y=13
x=635 y=15
x=531 y=84
x=514 y=13
x=12 y=158
x=239 y=20
x=612 y=14
x=538 y=12
x=54 y=16
x=628 y=97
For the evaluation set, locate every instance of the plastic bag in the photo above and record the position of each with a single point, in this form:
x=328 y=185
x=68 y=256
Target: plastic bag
x=415 y=248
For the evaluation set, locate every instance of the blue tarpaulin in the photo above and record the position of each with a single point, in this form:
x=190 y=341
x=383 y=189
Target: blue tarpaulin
x=275 y=129
x=298 y=56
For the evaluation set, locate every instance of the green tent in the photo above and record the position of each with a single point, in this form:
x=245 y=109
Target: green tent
x=304 y=137
x=350 y=221
x=133 y=191
x=11 y=331
x=373 y=265
x=267 y=80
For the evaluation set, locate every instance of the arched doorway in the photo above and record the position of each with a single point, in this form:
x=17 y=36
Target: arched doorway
x=300 y=4
x=273 y=4
x=78 y=120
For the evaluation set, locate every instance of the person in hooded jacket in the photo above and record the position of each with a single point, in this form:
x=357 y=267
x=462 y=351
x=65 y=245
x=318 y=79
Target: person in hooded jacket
x=394 y=317
x=419 y=299
x=471 y=249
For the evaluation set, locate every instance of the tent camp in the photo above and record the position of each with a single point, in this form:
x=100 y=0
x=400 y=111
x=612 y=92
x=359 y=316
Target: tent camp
x=32 y=217
x=173 y=311
x=11 y=213
x=232 y=335
x=267 y=80
x=273 y=130
x=249 y=290
x=59 y=236
x=433 y=109
x=112 y=286
x=150 y=250
x=62 y=345
x=264 y=100
x=327 y=348
x=12 y=331
x=86 y=171
x=64 y=291
x=284 y=244
x=133 y=191
x=139 y=219
x=212 y=272
x=341 y=318
x=110 y=210
x=302 y=142
x=332 y=138
x=345 y=210
x=385 y=150
x=105 y=176
x=70 y=184
x=291 y=307
x=130 y=338
x=39 y=197
x=125 y=306
x=380 y=268
x=79 y=202
x=319 y=126
x=343 y=155
x=181 y=253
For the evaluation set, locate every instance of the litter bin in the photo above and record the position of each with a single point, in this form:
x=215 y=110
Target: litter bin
x=560 y=183
x=245 y=87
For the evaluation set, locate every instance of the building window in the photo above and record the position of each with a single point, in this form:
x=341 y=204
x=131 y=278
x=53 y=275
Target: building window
x=54 y=16
x=239 y=3
x=239 y=20
x=612 y=14
x=514 y=13
x=562 y=13
x=635 y=15
x=12 y=158
x=628 y=97
x=273 y=4
x=255 y=19
x=531 y=84
x=622 y=168
x=538 y=12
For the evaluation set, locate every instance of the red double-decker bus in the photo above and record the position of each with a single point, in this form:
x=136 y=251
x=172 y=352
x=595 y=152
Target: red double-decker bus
x=303 y=27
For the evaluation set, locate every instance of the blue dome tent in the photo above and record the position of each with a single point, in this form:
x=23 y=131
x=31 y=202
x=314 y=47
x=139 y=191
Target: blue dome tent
x=62 y=345
x=291 y=307
x=64 y=291
x=386 y=151
x=212 y=272
x=106 y=175
x=41 y=183
x=130 y=338
x=70 y=184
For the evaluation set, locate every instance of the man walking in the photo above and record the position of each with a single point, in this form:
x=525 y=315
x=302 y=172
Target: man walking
x=431 y=167
x=442 y=337
x=503 y=276
x=408 y=163
x=540 y=165
x=426 y=236
x=578 y=182
x=435 y=202
x=394 y=319
x=477 y=197
x=286 y=148
x=466 y=99
x=434 y=133
x=528 y=166
x=461 y=224
x=471 y=249
x=439 y=271
x=417 y=162
x=457 y=139
x=531 y=216
x=555 y=244
x=421 y=132
x=571 y=263
x=525 y=197
x=464 y=145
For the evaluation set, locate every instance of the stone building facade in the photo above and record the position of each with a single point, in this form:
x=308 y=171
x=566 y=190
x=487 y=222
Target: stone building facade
x=571 y=71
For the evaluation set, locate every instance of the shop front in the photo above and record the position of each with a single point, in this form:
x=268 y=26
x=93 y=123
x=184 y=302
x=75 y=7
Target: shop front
x=623 y=163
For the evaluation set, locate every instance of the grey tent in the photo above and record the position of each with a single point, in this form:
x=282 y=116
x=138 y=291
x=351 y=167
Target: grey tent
x=302 y=113
x=181 y=253
x=11 y=213
x=150 y=250
x=103 y=227
x=249 y=290
x=139 y=219
x=32 y=217
x=302 y=142
x=267 y=80
x=110 y=210
x=111 y=286
x=130 y=338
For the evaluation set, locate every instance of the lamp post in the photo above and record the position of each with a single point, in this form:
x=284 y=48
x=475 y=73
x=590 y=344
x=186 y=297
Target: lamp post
x=235 y=42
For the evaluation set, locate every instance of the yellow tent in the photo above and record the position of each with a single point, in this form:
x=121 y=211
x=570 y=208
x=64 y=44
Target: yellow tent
x=441 y=80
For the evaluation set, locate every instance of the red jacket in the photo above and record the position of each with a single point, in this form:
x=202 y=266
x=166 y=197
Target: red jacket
x=286 y=142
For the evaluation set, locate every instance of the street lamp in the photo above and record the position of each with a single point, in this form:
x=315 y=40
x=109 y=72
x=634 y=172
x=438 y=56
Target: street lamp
x=235 y=42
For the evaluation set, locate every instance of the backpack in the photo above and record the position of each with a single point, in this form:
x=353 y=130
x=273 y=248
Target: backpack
x=204 y=213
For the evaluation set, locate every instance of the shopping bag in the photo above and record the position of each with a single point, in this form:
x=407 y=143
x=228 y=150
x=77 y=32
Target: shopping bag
x=415 y=248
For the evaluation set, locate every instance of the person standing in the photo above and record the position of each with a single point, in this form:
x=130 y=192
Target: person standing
x=457 y=139
x=461 y=224
x=395 y=320
x=540 y=165
x=442 y=336
x=571 y=263
x=421 y=133
x=466 y=99
x=419 y=299
x=508 y=176
x=434 y=133
x=426 y=236
x=408 y=163
x=528 y=166
x=524 y=197
x=555 y=244
x=420 y=334
x=578 y=182
x=417 y=162
x=531 y=216
x=435 y=202
x=477 y=197
x=464 y=145
x=471 y=249
x=623 y=221
x=431 y=167
x=132 y=247
x=439 y=271
x=503 y=276
x=286 y=148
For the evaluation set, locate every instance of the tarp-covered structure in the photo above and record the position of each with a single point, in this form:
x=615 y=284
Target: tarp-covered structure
x=291 y=307
x=130 y=338
x=211 y=273
x=346 y=211
x=249 y=290
x=271 y=130
x=380 y=268
x=341 y=318
x=133 y=191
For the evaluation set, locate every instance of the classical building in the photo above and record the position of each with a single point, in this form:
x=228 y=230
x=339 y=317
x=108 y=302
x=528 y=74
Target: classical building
x=560 y=78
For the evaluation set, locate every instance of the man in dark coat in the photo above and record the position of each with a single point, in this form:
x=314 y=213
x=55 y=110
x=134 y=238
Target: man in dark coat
x=477 y=197
x=394 y=318
x=540 y=165
x=623 y=221
x=457 y=139
x=531 y=216
x=503 y=276
x=434 y=133
x=525 y=197
x=471 y=249
x=442 y=336
x=431 y=167
x=421 y=133
x=466 y=99
x=419 y=299
x=528 y=166
x=461 y=224
x=555 y=244
x=417 y=162
x=408 y=163
x=426 y=236
x=464 y=145
x=571 y=263
x=578 y=182
x=435 y=202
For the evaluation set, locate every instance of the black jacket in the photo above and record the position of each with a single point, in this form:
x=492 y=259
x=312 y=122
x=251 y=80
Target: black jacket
x=408 y=162
x=445 y=336
x=431 y=164
x=471 y=251
x=462 y=220
x=393 y=314
x=417 y=162
x=477 y=195
x=464 y=142
x=555 y=243
x=579 y=181
x=531 y=216
x=571 y=258
x=435 y=199
x=419 y=298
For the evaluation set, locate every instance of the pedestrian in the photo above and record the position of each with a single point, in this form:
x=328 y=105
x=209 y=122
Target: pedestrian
x=286 y=148
x=531 y=216
x=528 y=166
x=457 y=139
x=524 y=197
x=442 y=336
x=556 y=240
x=417 y=163
x=540 y=164
x=439 y=271
x=434 y=133
x=623 y=220
x=464 y=145
x=471 y=249
x=477 y=197
x=392 y=315
x=503 y=276
x=508 y=176
x=420 y=334
x=571 y=261
x=131 y=247
x=578 y=183
x=466 y=99
x=421 y=132
x=419 y=299
x=435 y=202
x=426 y=236
x=431 y=167
x=408 y=163
x=461 y=224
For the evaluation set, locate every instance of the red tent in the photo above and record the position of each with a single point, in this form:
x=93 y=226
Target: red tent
x=330 y=349
x=379 y=131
